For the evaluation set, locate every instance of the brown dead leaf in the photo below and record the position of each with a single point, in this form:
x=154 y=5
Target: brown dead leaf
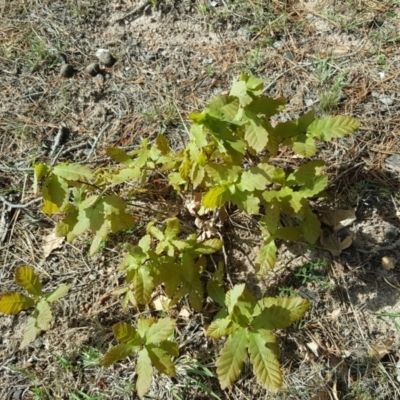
x=50 y=243
x=334 y=245
x=320 y=396
x=338 y=219
x=388 y=263
x=313 y=347
x=380 y=349
x=335 y=314
x=160 y=303
x=184 y=313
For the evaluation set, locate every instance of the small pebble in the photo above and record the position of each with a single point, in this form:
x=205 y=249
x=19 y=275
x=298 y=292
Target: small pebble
x=105 y=57
x=66 y=71
x=99 y=80
x=92 y=69
x=386 y=100
x=289 y=55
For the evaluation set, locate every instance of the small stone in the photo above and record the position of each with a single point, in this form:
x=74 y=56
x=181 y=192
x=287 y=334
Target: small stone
x=289 y=55
x=105 y=57
x=278 y=45
x=386 y=100
x=99 y=80
x=66 y=71
x=92 y=69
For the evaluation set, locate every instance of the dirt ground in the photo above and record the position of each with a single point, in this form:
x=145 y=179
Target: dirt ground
x=338 y=57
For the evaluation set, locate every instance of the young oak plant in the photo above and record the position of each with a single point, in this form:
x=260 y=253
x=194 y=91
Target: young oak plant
x=248 y=324
x=14 y=302
x=231 y=158
x=150 y=341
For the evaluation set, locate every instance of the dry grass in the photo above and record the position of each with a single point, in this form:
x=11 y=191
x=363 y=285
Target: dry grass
x=334 y=56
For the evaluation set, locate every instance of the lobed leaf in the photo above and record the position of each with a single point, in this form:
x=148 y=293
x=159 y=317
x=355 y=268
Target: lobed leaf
x=160 y=331
x=26 y=278
x=255 y=133
x=161 y=360
x=221 y=327
x=61 y=291
x=266 y=257
x=215 y=197
x=44 y=315
x=231 y=358
x=31 y=331
x=14 y=302
x=330 y=127
x=119 y=155
x=73 y=172
x=304 y=146
x=55 y=194
x=144 y=371
x=264 y=358
x=126 y=334
x=116 y=353
x=232 y=296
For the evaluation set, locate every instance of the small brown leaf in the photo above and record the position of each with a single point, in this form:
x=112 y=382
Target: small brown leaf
x=380 y=349
x=313 y=347
x=160 y=303
x=335 y=314
x=333 y=244
x=346 y=243
x=338 y=219
x=388 y=263
x=50 y=243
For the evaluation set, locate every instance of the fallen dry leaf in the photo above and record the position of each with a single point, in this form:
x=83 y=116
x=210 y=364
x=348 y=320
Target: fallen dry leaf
x=338 y=219
x=184 y=313
x=388 y=263
x=335 y=314
x=380 y=349
x=50 y=243
x=160 y=303
x=313 y=347
x=333 y=244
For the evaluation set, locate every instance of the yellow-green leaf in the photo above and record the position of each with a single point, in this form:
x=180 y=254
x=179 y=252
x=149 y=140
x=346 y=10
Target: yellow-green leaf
x=232 y=296
x=61 y=291
x=14 y=302
x=231 y=358
x=142 y=281
x=266 y=257
x=255 y=134
x=26 y=278
x=126 y=333
x=55 y=194
x=73 y=172
x=160 y=331
x=144 y=371
x=333 y=127
x=295 y=306
x=304 y=146
x=215 y=197
x=161 y=360
x=310 y=226
x=215 y=287
x=41 y=170
x=220 y=327
x=31 y=331
x=116 y=353
x=239 y=89
x=44 y=316
x=119 y=155
x=264 y=358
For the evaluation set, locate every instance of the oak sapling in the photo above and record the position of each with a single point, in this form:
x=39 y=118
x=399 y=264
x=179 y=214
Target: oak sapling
x=14 y=302
x=230 y=160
